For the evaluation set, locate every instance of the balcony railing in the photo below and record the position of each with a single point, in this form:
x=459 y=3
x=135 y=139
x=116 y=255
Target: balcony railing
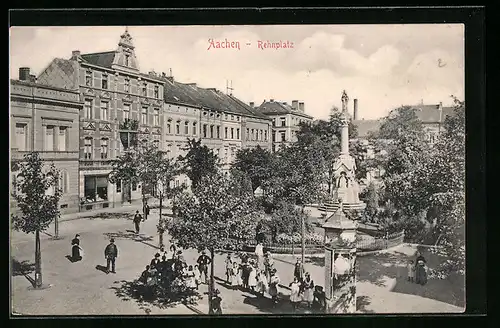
x=46 y=155
x=95 y=164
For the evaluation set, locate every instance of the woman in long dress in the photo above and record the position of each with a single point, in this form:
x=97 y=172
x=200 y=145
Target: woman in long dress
x=308 y=286
x=420 y=270
x=76 y=251
x=252 y=278
x=190 y=278
x=295 y=293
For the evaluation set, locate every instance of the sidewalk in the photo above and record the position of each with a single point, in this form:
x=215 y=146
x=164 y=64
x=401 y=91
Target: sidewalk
x=89 y=214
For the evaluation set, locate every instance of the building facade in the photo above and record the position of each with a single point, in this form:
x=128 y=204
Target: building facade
x=45 y=119
x=120 y=100
x=285 y=120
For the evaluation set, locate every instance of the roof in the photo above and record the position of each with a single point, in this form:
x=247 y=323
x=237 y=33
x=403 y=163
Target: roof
x=430 y=113
x=366 y=126
x=103 y=59
x=276 y=107
x=191 y=94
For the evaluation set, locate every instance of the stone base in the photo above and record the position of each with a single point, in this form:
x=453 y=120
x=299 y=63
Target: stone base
x=44 y=286
x=331 y=207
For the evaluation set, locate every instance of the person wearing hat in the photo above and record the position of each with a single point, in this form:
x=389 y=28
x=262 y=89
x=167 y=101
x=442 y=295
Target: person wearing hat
x=111 y=253
x=76 y=251
x=137 y=221
x=203 y=262
x=216 y=302
x=155 y=261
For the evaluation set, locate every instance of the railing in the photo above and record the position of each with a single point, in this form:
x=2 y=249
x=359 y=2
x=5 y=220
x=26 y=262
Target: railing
x=46 y=155
x=95 y=164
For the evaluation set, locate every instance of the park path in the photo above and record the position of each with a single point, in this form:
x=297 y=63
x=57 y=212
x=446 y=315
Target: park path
x=80 y=289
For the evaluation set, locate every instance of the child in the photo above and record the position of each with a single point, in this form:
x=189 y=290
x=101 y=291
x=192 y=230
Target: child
x=197 y=276
x=263 y=285
x=411 y=271
x=294 y=293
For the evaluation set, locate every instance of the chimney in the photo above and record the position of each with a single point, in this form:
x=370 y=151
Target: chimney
x=32 y=78
x=355 y=109
x=272 y=100
x=295 y=104
x=75 y=54
x=301 y=107
x=440 y=106
x=284 y=103
x=252 y=104
x=24 y=73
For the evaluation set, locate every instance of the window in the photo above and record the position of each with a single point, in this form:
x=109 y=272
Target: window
x=61 y=140
x=104 y=110
x=274 y=122
x=225 y=117
x=225 y=154
x=253 y=134
x=104 y=148
x=126 y=111
x=156 y=117
x=260 y=135
x=156 y=144
x=157 y=92
x=21 y=136
x=283 y=136
x=248 y=134
x=225 y=133
x=232 y=117
x=96 y=188
x=186 y=127
x=211 y=131
x=232 y=133
x=62 y=182
x=144 y=115
x=237 y=118
x=218 y=132
x=169 y=130
x=88 y=109
x=49 y=138
x=88 y=148
x=274 y=137
x=88 y=78
x=127 y=85
x=178 y=127
x=204 y=130
x=169 y=151
x=104 y=81
x=127 y=59
x=238 y=134
x=283 y=121
x=134 y=186
x=265 y=135
x=119 y=186
x=145 y=89
x=194 y=128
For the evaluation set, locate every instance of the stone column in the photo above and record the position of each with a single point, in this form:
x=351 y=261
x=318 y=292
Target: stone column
x=344 y=137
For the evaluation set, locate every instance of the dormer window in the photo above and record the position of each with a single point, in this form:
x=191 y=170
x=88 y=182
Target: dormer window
x=104 y=82
x=145 y=89
x=127 y=85
x=157 y=92
x=88 y=78
x=127 y=60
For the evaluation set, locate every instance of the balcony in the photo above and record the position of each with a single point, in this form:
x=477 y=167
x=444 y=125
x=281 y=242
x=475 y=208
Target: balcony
x=46 y=155
x=97 y=164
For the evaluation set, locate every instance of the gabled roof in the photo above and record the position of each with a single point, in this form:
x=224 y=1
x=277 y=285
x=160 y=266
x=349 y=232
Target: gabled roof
x=276 y=108
x=430 y=113
x=191 y=94
x=103 y=59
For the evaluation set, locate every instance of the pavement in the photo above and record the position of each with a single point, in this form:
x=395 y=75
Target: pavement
x=81 y=289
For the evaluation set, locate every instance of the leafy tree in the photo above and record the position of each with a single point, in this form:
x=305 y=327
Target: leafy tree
x=372 y=202
x=216 y=214
x=37 y=195
x=125 y=169
x=256 y=163
x=199 y=161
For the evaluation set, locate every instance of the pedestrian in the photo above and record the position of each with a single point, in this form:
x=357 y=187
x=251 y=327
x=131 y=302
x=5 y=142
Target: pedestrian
x=273 y=285
x=203 y=262
x=252 y=278
x=197 y=276
x=295 y=293
x=307 y=287
x=268 y=264
x=229 y=267
x=245 y=274
x=173 y=250
x=319 y=301
x=259 y=252
x=163 y=252
x=180 y=257
x=420 y=269
x=76 y=250
x=235 y=281
x=216 y=302
x=298 y=270
x=411 y=271
x=262 y=284
x=155 y=261
x=137 y=221
x=144 y=275
x=110 y=254
x=146 y=210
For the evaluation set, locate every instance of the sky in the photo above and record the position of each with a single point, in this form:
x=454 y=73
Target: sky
x=383 y=66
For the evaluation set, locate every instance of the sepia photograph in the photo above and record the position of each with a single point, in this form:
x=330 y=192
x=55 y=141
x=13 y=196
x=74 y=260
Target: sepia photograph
x=237 y=169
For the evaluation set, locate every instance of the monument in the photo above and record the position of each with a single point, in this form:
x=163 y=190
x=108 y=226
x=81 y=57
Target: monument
x=340 y=231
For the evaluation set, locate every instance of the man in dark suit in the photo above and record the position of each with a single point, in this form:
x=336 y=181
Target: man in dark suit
x=111 y=253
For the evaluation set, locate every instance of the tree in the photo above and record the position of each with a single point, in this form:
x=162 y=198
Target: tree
x=256 y=163
x=216 y=214
x=372 y=203
x=37 y=196
x=125 y=169
x=199 y=161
